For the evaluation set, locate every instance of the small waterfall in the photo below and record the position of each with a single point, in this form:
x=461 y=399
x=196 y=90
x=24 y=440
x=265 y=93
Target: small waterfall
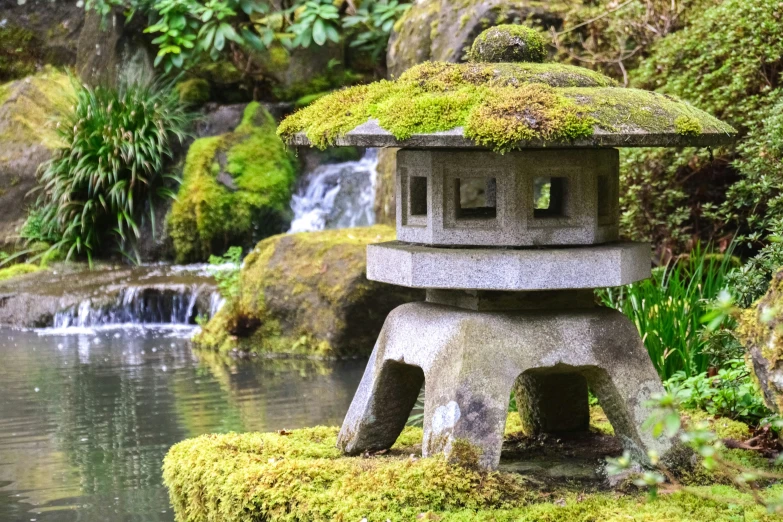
x=167 y=305
x=339 y=195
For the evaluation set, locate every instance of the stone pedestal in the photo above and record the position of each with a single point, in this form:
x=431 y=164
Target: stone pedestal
x=471 y=360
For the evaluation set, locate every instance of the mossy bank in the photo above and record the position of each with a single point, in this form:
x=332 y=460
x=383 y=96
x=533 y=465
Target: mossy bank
x=307 y=294
x=301 y=476
x=235 y=189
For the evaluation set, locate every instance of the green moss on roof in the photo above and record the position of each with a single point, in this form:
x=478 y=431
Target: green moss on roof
x=509 y=43
x=499 y=105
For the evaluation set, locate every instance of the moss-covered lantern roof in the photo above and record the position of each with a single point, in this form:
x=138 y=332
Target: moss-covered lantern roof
x=491 y=104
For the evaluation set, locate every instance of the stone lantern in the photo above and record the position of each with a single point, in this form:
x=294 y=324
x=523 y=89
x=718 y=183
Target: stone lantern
x=507 y=190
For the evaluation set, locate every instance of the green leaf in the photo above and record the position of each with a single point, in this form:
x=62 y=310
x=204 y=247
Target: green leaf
x=319 y=32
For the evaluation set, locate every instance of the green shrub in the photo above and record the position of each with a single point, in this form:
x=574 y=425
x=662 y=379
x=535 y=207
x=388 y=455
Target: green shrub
x=668 y=309
x=226 y=269
x=729 y=393
x=727 y=61
x=111 y=169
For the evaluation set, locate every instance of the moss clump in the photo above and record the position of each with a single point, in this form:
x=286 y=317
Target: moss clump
x=301 y=476
x=235 y=189
x=195 y=91
x=509 y=43
x=307 y=294
x=687 y=126
x=17 y=270
x=500 y=106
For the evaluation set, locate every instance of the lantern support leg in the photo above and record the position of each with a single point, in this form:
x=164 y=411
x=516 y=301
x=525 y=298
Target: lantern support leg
x=471 y=360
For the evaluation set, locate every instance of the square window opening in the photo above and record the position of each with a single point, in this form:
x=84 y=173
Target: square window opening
x=549 y=197
x=604 y=197
x=476 y=198
x=417 y=190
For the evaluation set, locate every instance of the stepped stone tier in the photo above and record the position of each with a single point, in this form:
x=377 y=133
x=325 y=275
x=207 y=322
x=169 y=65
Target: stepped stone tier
x=508 y=214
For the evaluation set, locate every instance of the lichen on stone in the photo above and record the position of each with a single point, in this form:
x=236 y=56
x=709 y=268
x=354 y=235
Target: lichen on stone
x=509 y=43
x=500 y=106
x=235 y=189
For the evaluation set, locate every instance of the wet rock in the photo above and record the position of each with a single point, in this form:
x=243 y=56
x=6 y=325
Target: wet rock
x=28 y=110
x=35 y=33
x=72 y=294
x=307 y=294
x=112 y=51
x=440 y=31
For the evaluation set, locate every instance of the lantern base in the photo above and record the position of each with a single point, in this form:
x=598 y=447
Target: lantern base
x=471 y=360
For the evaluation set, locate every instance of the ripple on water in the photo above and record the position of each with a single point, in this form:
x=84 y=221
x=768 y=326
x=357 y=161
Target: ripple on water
x=88 y=414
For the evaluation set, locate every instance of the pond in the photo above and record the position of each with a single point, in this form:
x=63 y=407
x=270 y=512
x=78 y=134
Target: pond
x=87 y=415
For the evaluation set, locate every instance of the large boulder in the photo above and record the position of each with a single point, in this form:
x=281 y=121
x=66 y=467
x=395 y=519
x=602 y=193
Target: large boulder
x=29 y=109
x=235 y=189
x=759 y=329
x=34 y=33
x=112 y=51
x=308 y=294
x=438 y=30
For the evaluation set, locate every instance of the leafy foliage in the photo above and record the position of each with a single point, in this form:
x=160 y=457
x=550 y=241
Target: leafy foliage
x=188 y=31
x=727 y=61
x=112 y=166
x=226 y=269
x=730 y=393
x=668 y=308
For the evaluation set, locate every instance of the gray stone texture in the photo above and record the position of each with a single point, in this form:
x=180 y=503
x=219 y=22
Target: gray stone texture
x=471 y=361
x=371 y=134
x=432 y=188
x=563 y=268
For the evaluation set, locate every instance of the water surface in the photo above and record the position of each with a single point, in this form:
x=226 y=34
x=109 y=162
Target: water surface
x=86 y=417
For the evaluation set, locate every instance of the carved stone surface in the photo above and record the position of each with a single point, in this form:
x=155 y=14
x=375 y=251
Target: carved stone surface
x=485 y=199
x=563 y=268
x=470 y=362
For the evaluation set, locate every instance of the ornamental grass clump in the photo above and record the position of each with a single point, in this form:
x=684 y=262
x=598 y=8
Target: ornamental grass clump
x=112 y=169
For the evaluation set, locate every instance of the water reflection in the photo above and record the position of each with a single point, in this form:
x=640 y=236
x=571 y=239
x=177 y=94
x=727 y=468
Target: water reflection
x=86 y=419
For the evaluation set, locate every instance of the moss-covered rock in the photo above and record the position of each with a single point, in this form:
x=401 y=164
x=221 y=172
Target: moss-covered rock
x=194 y=91
x=438 y=30
x=760 y=329
x=307 y=294
x=509 y=43
x=301 y=476
x=29 y=109
x=235 y=189
x=18 y=270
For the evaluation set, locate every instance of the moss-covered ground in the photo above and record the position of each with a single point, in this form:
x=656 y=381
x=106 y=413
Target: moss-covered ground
x=499 y=106
x=235 y=189
x=301 y=476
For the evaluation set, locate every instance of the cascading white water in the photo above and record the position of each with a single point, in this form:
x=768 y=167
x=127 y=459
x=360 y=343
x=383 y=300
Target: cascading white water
x=168 y=305
x=339 y=195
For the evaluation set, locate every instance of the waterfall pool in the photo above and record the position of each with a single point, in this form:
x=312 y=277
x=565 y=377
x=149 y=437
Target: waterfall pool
x=87 y=414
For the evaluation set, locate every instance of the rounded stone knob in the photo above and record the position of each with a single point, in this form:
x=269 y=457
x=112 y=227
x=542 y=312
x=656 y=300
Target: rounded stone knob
x=509 y=43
